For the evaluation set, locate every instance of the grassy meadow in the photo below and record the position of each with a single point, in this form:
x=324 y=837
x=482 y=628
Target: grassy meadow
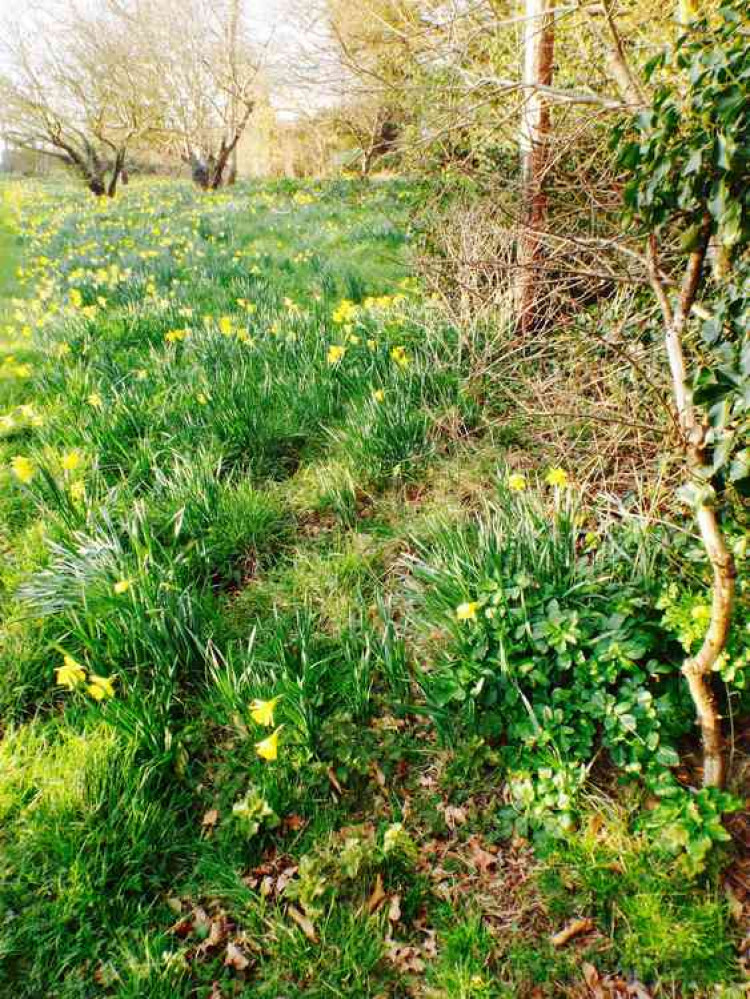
x=317 y=678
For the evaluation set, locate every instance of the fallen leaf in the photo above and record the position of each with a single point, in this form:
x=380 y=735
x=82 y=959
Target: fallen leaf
x=175 y=904
x=235 y=958
x=106 y=975
x=405 y=957
x=574 y=929
x=284 y=878
x=590 y=975
x=394 y=909
x=377 y=896
x=454 y=816
x=182 y=928
x=293 y=823
x=429 y=947
x=378 y=774
x=210 y=819
x=216 y=936
x=304 y=923
x=334 y=781
x=482 y=859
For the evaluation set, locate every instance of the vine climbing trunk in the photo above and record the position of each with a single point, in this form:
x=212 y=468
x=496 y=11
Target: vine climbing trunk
x=539 y=45
x=697 y=669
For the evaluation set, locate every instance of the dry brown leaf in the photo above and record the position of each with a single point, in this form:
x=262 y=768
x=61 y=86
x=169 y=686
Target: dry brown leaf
x=210 y=819
x=334 y=781
x=429 y=947
x=182 y=928
x=590 y=975
x=175 y=904
x=304 y=923
x=482 y=859
x=405 y=957
x=394 y=909
x=574 y=928
x=216 y=935
x=285 y=877
x=454 y=816
x=235 y=958
x=293 y=823
x=377 y=773
x=377 y=896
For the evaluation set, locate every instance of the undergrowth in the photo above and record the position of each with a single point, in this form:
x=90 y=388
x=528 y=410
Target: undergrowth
x=308 y=685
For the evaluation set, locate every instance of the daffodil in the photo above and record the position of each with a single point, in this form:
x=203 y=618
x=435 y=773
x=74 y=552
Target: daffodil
x=467 y=611
x=335 y=353
x=77 y=490
x=23 y=468
x=174 y=335
x=557 y=477
x=122 y=586
x=400 y=357
x=268 y=748
x=95 y=400
x=70 y=461
x=70 y=674
x=261 y=712
x=517 y=482
x=378 y=395
x=101 y=687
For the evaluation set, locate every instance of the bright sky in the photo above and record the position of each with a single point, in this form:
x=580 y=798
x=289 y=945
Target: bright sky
x=272 y=23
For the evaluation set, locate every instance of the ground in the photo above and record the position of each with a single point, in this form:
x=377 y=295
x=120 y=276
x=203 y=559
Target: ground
x=247 y=469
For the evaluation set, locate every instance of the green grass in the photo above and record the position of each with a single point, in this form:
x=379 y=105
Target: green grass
x=222 y=510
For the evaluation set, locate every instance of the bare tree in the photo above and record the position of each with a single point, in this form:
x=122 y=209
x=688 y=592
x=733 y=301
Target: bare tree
x=84 y=100
x=209 y=78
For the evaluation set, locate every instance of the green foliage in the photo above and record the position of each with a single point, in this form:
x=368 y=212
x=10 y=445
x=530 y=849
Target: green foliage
x=218 y=514
x=687 y=163
x=691 y=152
x=687 y=825
x=339 y=868
x=639 y=886
x=561 y=654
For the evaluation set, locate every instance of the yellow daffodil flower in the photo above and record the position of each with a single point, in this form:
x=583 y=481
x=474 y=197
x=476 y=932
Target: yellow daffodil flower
x=467 y=611
x=517 y=482
x=261 y=712
x=101 y=687
x=399 y=356
x=335 y=353
x=378 y=395
x=70 y=674
x=70 y=461
x=268 y=748
x=122 y=586
x=77 y=490
x=95 y=400
x=23 y=469
x=557 y=477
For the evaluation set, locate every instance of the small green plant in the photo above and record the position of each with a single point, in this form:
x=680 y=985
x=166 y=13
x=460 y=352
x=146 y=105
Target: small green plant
x=546 y=646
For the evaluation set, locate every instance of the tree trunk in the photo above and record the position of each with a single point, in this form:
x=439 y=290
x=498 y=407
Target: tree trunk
x=118 y=168
x=96 y=185
x=199 y=171
x=539 y=42
x=233 y=30
x=697 y=669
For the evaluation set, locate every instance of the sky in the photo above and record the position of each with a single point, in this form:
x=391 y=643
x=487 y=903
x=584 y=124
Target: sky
x=276 y=25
